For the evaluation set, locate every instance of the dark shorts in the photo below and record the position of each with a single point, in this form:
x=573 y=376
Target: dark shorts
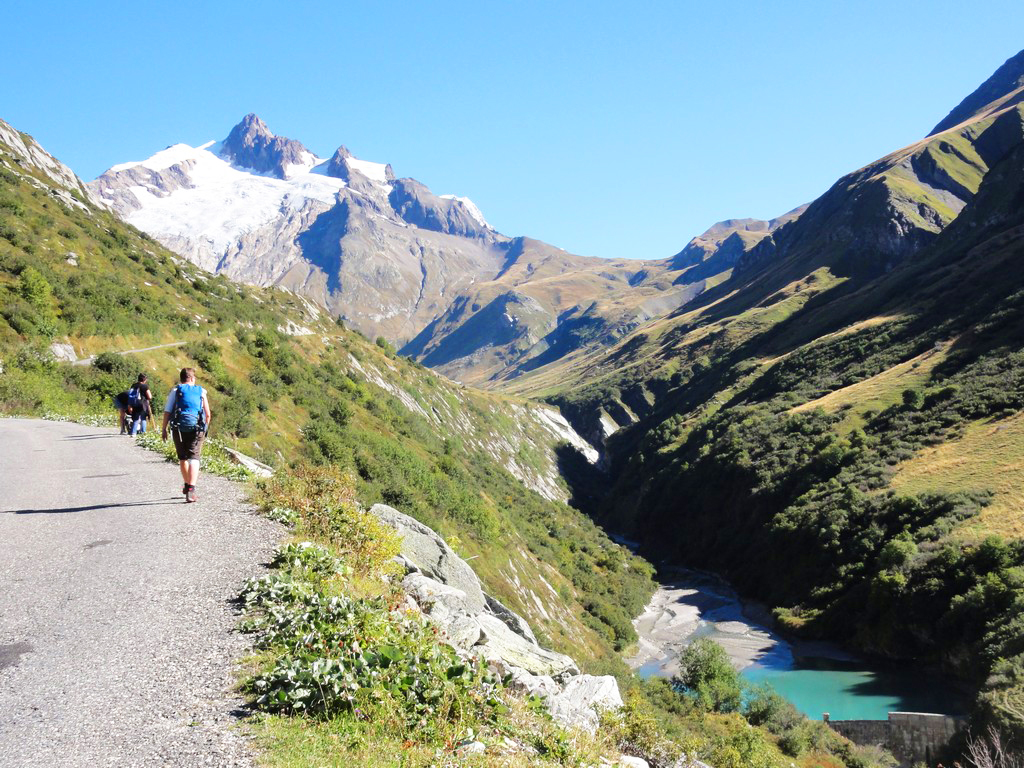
x=188 y=444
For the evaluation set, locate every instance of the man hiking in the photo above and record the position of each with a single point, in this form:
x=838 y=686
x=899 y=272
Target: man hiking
x=187 y=411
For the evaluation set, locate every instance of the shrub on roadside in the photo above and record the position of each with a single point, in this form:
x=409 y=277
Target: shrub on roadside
x=124 y=367
x=323 y=498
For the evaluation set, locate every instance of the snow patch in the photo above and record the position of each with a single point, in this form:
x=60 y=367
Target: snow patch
x=173 y=155
x=309 y=162
x=372 y=171
x=225 y=202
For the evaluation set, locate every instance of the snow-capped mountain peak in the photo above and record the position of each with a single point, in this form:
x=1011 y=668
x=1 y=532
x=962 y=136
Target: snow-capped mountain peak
x=265 y=209
x=251 y=145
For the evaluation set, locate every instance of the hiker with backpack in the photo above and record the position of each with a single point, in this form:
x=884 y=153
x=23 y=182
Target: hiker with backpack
x=139 y=406
x=121 y=404
x=187 y=412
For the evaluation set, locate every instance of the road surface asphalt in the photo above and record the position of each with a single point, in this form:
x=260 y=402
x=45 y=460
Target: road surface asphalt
x=117 y=641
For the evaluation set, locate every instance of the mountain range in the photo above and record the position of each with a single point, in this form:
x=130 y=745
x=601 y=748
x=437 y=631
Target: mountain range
x=837 y=426
x=391 y=258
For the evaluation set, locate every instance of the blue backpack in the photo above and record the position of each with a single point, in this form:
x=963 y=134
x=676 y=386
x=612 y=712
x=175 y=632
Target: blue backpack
x=135 y=398
x=188 y=414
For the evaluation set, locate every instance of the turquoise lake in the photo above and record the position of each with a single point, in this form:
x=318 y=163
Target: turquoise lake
x=816 y=677
x=854 y=690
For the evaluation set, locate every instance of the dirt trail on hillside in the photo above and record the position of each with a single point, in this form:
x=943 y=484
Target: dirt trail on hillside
x=88 y=360
x=117 y=641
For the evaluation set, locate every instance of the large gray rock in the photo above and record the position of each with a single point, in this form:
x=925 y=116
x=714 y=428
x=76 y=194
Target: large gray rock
x=258 y=468
x=447 y=590
x=430 y=554
x=533 y=685
x=578 y=703
x=498 y=642
x=450 y=608
x=63 y=352
x=512 y=620
x=436 y=599
x=446 y=607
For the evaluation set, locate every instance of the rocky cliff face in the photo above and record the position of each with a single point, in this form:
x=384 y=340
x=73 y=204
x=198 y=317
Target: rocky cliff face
x=251 y=145
x=27 y=153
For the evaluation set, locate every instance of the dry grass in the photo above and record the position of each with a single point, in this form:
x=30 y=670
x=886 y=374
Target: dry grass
x=990 y=456
x=881 y=390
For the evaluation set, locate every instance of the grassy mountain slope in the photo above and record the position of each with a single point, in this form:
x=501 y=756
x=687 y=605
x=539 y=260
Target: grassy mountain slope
x=867 y=223
x=287 y=382
x=835 y=427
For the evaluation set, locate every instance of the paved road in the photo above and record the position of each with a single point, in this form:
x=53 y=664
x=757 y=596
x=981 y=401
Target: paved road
x=116 y=629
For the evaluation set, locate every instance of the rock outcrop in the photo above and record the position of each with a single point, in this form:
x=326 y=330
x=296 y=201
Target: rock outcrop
x=251 y=145
x=26 y=153
x=424 y=551
x=445 y=588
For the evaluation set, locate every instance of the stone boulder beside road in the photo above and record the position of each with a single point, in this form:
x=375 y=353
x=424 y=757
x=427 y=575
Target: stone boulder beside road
x=445 y=588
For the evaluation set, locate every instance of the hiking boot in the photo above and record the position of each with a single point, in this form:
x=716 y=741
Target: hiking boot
x=190 y=494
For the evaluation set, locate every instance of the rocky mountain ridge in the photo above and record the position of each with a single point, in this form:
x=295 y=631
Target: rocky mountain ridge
x=390 y=257
x=1003 y=86
x=377 y=251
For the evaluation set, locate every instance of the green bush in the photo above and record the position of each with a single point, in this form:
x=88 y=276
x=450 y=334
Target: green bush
x=764 y=707
x=125 y=368
x=707 y=676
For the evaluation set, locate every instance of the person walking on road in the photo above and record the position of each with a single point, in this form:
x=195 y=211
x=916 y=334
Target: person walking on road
x=187 y=412
x=121 y=404
x=139 y=397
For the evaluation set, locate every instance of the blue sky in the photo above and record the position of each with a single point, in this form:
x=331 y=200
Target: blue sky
x=604 y=129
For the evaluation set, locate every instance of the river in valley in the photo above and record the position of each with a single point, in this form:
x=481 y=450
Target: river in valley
x=816 y=677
